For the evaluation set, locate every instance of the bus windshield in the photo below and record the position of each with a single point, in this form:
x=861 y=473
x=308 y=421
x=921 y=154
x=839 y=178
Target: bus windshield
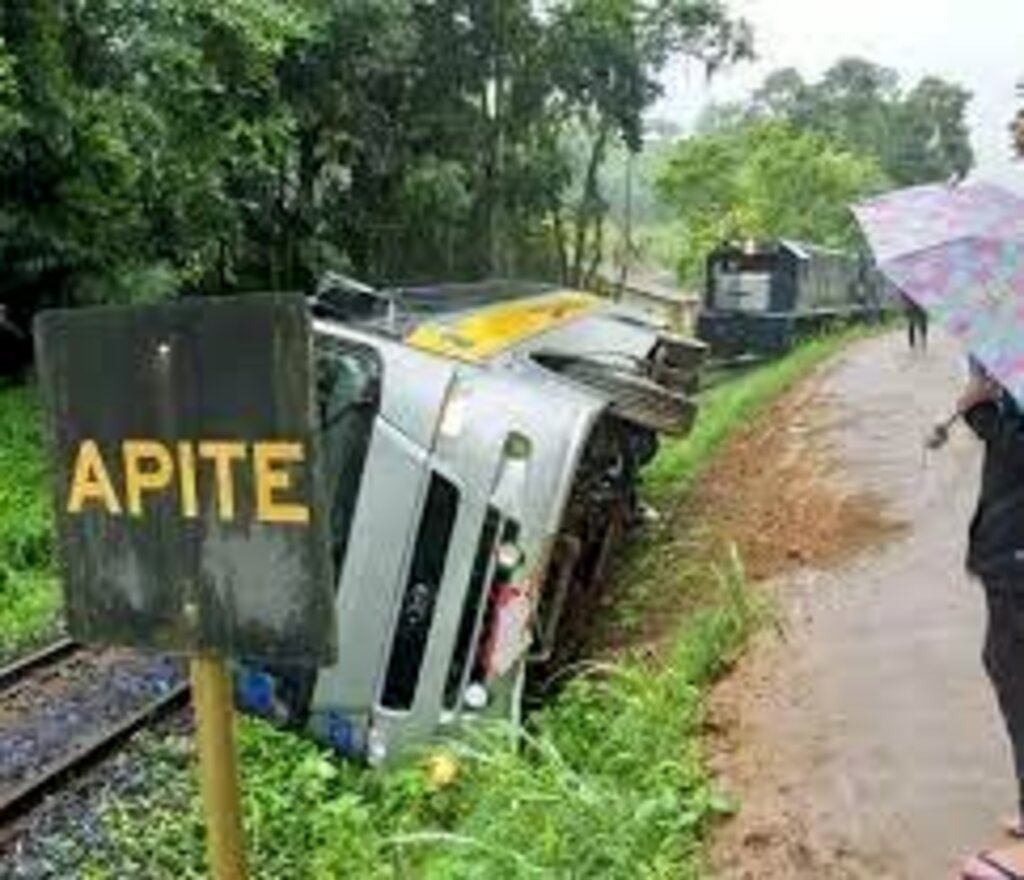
x=348 y=398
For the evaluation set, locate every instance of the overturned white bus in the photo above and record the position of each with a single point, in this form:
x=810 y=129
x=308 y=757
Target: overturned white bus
x=481 y=448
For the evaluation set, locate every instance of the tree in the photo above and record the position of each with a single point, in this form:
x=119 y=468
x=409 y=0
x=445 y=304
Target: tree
x=141 y=126
x=67 y=167
x=917 y=136
x=765 y=179
x=931 y=140
x=220 y=181
x=1017 y=126
x=784 y=94
x=210 y=146
x=605 y=55
x=722 y=116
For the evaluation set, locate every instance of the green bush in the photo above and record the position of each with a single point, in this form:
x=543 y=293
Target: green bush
x=29 y=597
x=608 y=782
x=729 y=406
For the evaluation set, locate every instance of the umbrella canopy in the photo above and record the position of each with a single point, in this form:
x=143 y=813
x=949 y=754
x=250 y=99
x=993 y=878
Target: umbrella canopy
x=959 y=253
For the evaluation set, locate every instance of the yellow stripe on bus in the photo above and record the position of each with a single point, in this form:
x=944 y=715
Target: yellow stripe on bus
x=493 y=329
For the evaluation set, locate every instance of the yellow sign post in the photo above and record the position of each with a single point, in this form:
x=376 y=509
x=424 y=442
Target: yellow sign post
x=218 y=771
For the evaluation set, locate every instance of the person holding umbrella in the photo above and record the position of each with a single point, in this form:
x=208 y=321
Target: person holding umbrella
x=996 y=556
x=958 y=253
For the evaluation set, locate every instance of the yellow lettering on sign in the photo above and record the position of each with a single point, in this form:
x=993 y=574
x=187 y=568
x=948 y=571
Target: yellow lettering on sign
x=187 y=472
x=222 y=453
x=148 y=467
x=271 y=477
x=151 y=467
x=90 y=481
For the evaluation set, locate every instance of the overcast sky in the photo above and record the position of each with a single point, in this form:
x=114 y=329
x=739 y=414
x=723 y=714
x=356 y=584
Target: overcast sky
x=977 y=43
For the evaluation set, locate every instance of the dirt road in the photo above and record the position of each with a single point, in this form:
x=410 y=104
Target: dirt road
x=865 y=742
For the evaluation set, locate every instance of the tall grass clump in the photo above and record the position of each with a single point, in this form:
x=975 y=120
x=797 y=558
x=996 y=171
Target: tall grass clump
x=29 y=597
x=727 y=407
x=608 y=781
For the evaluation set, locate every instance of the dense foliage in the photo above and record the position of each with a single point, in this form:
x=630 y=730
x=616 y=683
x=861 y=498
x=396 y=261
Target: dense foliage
x=917 y=135
x=788 y=161
x=763 y=180
x=29 y=595
x=217 y=146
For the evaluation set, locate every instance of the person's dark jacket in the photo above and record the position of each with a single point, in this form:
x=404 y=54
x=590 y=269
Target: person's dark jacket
x=996 y=546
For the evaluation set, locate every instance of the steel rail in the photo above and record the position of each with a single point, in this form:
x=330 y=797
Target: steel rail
x=15 y=802
x=18 y=669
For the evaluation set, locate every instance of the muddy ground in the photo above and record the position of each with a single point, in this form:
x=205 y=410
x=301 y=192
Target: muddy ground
x=862 y=740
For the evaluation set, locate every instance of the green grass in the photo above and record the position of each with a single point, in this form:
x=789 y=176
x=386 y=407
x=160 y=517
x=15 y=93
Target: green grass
x=29 y=594
x=727 y=407
x=609 y=780
x=664 y=575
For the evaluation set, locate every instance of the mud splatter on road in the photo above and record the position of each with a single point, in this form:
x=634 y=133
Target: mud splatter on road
x=775 y=491
x=864 y=741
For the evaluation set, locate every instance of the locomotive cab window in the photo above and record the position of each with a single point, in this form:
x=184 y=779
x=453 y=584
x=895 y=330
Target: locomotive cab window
x=348 y=385
x=742 y=282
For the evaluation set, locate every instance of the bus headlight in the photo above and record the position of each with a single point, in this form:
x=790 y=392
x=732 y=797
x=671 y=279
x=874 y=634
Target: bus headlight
x=476 y=697
x=376 y=747
x=453 y=414
x=509 y=557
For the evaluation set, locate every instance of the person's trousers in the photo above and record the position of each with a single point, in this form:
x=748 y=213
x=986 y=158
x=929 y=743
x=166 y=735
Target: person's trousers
x=1003 y=656
x=917 y=330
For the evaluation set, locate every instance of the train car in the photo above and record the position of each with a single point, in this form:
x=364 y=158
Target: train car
x=482 y=445
x=762 y=298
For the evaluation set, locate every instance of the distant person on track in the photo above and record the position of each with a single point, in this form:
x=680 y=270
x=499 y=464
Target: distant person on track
x=917 y=324
x=996 y=557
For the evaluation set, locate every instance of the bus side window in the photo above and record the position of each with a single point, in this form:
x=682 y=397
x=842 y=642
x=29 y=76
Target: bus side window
x=421 y=590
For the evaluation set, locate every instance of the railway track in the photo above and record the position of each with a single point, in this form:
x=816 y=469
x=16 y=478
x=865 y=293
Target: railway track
x=17 y=671
x=32 y=689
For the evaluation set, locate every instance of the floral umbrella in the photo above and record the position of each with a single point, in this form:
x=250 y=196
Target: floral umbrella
x=959 y=253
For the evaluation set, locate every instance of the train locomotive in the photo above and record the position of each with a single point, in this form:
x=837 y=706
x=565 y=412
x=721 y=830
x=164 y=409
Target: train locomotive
x=761 y=298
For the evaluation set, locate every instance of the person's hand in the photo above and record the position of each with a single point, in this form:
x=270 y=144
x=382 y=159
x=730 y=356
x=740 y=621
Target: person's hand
x=979 y=389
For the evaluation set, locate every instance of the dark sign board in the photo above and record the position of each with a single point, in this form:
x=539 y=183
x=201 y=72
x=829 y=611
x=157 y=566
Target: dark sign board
x=185 y=463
